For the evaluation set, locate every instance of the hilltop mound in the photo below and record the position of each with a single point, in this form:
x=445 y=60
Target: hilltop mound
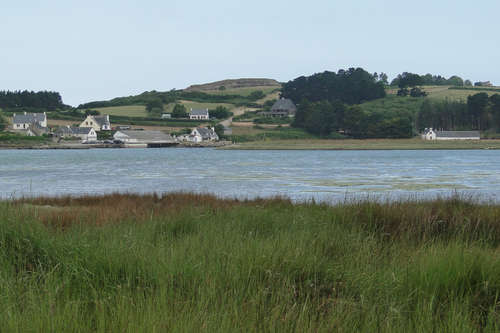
x=234 y=84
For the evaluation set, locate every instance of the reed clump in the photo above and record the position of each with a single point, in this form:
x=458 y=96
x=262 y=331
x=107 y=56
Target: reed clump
x=195 y=262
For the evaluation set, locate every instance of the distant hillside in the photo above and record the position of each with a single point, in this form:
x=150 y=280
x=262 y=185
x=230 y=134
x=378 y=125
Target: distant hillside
x=234 y=84
x=239 y=92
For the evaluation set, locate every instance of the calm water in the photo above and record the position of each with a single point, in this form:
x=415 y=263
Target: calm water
x=301 y=175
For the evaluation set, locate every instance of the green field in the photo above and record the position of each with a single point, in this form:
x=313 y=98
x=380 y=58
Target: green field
x=394 y=104
x=194 y=263
x=125 y=111
x=140 y=110
x=262 y=134
x=444 y=92
x=196 y=105
x=452 y=94
x=410 y=106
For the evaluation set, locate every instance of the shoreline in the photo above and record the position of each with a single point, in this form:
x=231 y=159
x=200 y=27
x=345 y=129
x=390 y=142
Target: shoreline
x=79 y=146
x=367 y=144
x=286 y=145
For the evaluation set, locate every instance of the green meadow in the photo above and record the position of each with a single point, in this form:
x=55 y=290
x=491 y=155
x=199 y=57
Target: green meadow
x=197 y=105
x=456 y=93
x=124 y=111
x=187 y=262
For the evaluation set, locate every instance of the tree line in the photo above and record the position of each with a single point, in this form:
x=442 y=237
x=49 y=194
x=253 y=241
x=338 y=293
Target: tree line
x=480 y=112
x=324 y=118
x=49 y=100
x=407 y=79
x=352 y=86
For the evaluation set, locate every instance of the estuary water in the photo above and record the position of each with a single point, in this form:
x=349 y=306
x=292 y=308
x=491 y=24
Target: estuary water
x=301 y=175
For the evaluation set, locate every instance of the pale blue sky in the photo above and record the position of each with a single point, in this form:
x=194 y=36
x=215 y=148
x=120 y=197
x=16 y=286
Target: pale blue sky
x=93 y=50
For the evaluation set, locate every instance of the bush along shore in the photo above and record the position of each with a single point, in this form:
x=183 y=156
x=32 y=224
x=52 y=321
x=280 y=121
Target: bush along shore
x=188 y=262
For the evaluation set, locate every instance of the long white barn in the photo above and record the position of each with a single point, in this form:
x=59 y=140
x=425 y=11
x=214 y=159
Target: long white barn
x=431 y=134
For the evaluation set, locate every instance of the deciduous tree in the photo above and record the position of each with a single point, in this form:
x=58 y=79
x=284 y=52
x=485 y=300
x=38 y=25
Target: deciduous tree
x=179 y=111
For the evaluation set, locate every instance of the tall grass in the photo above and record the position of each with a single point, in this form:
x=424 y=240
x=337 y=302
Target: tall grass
x=186 y=262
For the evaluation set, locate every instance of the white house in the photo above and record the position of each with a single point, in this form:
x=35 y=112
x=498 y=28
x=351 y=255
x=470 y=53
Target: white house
x=84 y=133
x=431 y=134
x=25 y=120
x=200 y=134
x=98 y=123
x=199 y=114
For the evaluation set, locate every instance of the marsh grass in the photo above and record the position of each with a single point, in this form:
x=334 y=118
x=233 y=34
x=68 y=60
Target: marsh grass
x=193 y=262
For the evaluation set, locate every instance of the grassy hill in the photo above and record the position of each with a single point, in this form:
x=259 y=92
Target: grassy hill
x=235 y=94
x=411 y=106
x=229 y=85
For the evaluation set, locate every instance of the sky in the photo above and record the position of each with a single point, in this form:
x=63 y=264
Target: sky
x=97 y=50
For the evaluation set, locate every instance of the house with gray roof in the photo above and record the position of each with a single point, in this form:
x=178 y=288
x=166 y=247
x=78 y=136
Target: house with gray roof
x=483 y=84
x=83 y=133
x=201 y=134
x=431 y=134
x=98 y=123
x=284 y=107
x=23 y=121
x=199 y=114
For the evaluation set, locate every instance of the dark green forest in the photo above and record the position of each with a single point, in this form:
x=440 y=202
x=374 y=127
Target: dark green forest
x=324 y=118
x=352 y=86
x=329 y=103
x=48 y=100
x=480 y=112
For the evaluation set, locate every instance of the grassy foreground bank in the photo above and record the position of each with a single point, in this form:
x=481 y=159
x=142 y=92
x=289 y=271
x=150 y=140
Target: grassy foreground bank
x=367 y=144
x=185 y=262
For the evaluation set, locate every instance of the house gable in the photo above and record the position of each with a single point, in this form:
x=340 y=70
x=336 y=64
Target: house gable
x=98 y=123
